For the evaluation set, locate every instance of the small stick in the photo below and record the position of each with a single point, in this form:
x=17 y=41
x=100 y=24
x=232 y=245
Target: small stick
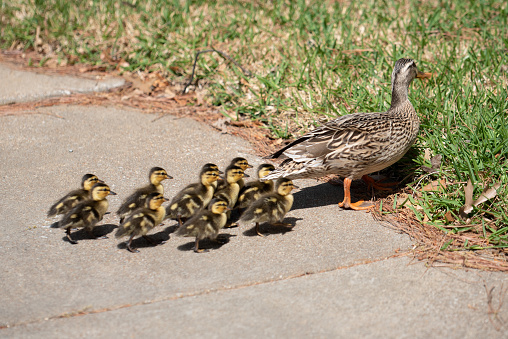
x=222 y=54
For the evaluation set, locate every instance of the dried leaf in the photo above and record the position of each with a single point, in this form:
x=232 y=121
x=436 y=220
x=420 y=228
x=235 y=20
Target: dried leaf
x=428 y=169
x=427 y=154
x=169 y=93
x=435 y=161
x=488 y=193
x=468 y=206
x=221 y=124
x=449 y=217
x=435 y=185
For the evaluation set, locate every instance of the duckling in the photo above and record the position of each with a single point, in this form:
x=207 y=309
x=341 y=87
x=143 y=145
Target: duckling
x=87 y=213
x=143 y=219
x=229 y=190
x=254 y=189
x=243 y=164
x=206 y=223
x=193 y=197
x=271 y=207
x=216 y=168
x=74 y=197
x=138 y=198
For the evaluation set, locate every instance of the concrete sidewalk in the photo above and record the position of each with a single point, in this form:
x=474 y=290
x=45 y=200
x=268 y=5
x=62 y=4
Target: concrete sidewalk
x=337 y=273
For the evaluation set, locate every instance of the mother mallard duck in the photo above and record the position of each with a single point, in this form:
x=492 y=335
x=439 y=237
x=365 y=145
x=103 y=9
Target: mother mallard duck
x=358 y=144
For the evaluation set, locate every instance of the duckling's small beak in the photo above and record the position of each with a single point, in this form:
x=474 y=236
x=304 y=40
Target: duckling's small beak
x=249 y=166
x=295 y=187
x=101 y=181
x=423 y=75
x=246 y=175
x=229 y=209
x=168 y=176
x=219 y=179
x=220 y=172
x=166 y=199
x=112 y=193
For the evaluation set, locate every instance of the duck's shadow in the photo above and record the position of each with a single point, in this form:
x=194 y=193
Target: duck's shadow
x=268 y=229
x=98 y=232
x=323 y=194
x=207 y=244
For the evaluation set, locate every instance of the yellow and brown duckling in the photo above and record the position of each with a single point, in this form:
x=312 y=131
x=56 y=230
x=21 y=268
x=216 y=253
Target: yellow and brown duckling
x=210 y=166
x=355 y=145
x=74 y=197
x=138 y=198
x=206 y=224
x=243 y=164
x=87 y=213
x=230 y=189
x=143 y=219
x=193 y=197
x=271 y=207
x=254 y=189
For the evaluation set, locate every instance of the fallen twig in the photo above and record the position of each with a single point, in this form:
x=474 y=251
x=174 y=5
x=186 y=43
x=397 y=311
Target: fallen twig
x=222 y=54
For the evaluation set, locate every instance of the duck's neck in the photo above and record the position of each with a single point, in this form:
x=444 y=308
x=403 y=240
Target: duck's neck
x=158 y=187
x=399 y=95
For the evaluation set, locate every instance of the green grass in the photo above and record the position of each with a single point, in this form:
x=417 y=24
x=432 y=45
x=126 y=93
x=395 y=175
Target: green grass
x=313 y=61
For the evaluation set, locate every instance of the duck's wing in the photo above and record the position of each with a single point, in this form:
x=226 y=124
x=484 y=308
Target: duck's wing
x=348 y=134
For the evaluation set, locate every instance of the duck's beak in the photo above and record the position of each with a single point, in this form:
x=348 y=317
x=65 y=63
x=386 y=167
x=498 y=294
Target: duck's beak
x=168 y=176
x=246 y=175
x=423 y=75
x=166 y=199
x=112 y=193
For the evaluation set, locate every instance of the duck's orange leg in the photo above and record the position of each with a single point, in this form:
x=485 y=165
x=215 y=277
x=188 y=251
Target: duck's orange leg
x=347 y=198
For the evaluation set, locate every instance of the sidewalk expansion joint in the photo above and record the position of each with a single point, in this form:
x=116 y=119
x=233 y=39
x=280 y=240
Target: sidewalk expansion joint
x=88 y=311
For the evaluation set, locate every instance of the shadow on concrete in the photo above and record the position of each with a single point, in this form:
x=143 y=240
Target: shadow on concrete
x=159 y=238
x=207 y=244
x=99 y=232
x=323 y=194
x=268 y=229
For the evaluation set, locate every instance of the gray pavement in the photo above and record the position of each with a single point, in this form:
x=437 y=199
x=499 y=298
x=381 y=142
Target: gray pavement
x=337 y=273
x=21 y=86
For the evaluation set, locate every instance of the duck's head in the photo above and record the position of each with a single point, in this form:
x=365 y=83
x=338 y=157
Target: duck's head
x=405 y=71
x=88 y=181
x=264 y=170
x=211 y=166
x=208 y=176
x=284 y=186
x=157 y=174
x=155 y=200
x=100 y=191
x=218 y=206
x=241 y=162
x=234 y=174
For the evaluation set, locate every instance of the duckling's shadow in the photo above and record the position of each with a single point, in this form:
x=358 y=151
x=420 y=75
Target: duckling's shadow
x=159 y=238
x=268 y=229
x=207 y=244
x=171 y=229
x=323 y=194
x=98 y=232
